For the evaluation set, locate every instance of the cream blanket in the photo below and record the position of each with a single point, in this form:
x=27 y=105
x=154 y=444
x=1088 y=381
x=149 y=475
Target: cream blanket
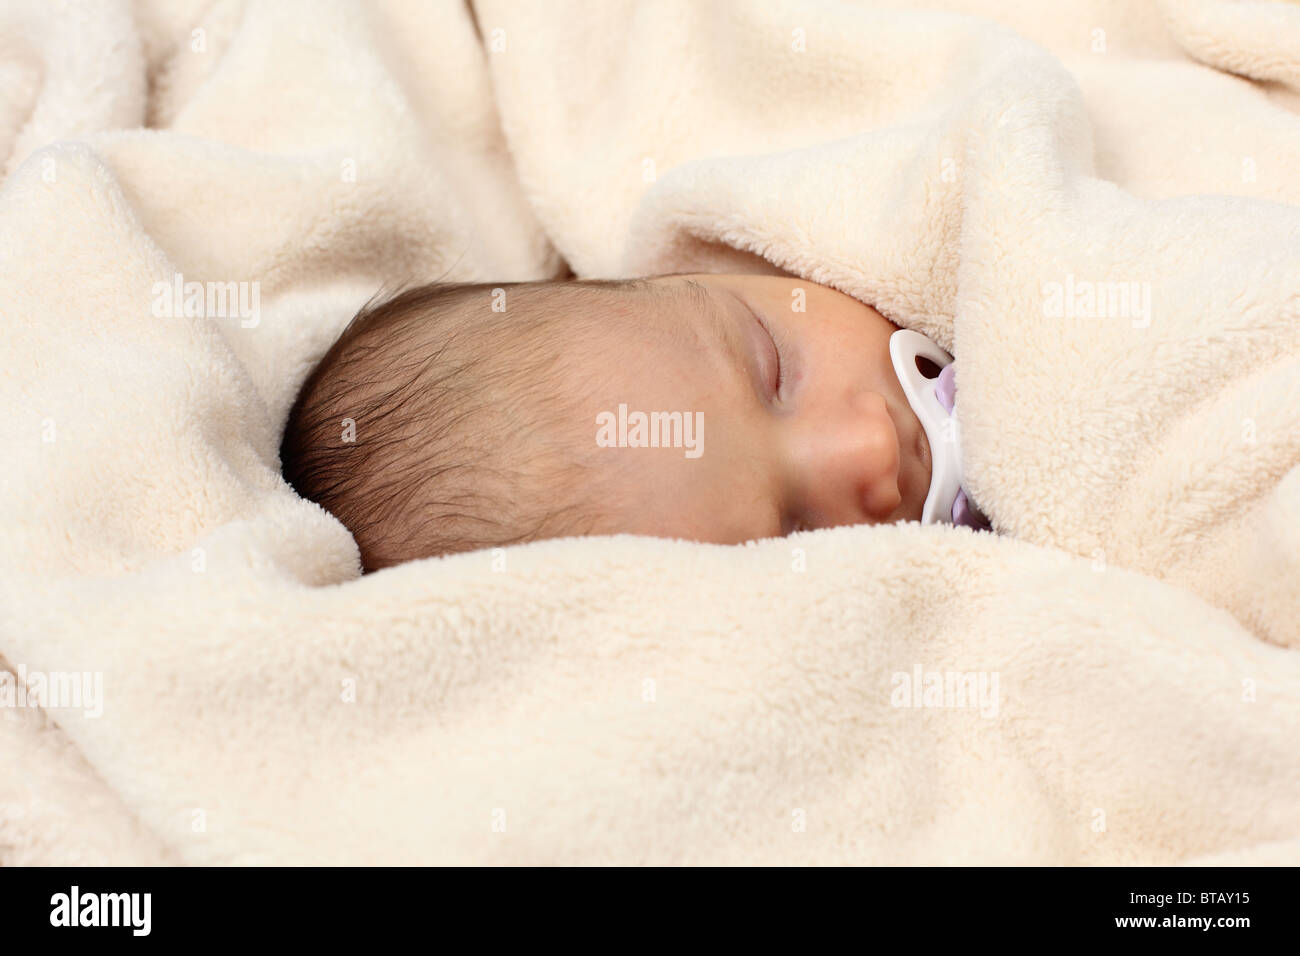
x=1093 y=203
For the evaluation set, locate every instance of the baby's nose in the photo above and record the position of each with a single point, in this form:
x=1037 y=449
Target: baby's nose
x=854 y=463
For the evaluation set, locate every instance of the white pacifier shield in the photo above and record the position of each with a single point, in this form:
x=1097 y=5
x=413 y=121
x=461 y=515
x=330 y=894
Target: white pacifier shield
x=941 y=429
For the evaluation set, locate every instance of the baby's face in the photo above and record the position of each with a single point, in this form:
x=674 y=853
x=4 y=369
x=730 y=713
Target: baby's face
x=804 y=423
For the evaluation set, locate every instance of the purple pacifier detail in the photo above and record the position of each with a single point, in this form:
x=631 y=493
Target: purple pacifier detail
x=964 y=511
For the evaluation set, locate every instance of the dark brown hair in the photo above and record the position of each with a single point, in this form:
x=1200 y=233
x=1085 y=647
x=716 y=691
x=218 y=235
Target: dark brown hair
x=427 y=428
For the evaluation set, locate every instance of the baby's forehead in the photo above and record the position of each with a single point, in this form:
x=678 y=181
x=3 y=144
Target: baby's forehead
x=657 y=307
x=674 y=303
x=673 y=319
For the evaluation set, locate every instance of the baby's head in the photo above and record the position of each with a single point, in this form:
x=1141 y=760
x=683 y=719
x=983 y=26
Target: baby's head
x=708 y=407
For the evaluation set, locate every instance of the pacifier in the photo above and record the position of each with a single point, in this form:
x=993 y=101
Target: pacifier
x=932 y=398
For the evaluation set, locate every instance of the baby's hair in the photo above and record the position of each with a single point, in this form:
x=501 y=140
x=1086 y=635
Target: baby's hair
x=426 y=423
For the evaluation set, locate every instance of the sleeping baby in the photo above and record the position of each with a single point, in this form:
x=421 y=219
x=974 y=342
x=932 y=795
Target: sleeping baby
x=714 y=408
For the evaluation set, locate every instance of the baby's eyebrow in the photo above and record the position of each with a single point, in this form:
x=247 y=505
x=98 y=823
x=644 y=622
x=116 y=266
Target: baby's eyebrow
x=721 y=324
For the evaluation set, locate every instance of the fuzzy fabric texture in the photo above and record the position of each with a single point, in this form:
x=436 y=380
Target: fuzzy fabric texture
x=1095 y=204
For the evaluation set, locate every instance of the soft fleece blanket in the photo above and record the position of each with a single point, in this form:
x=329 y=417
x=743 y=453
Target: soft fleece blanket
x=1094 y=204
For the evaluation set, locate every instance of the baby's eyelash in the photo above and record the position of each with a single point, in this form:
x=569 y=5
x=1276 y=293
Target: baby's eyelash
x=780 y=370
x=780 y=359
x=776 y=350
x=773 y=364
